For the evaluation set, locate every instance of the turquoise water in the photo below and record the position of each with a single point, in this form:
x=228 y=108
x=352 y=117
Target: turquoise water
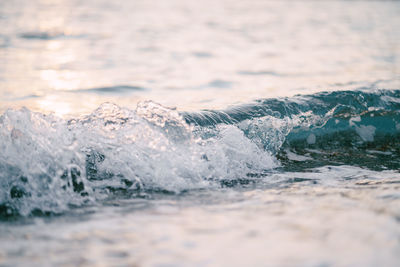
x=177 y=133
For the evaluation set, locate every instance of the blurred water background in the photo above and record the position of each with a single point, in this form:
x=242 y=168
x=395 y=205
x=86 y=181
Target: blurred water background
x=191 y=54
x=225 y=166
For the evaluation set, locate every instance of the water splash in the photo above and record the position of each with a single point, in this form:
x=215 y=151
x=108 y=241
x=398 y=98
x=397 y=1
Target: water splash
x=49 y=164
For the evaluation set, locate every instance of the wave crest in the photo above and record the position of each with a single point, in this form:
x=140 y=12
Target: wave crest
x=49 y=164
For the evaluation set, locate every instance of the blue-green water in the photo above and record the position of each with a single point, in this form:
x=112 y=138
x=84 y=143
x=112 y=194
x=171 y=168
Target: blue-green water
x=293 y=165
x=257 y=133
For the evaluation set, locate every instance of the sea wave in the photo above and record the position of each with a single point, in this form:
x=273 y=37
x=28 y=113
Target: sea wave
x=346 y=127
x=49 y=164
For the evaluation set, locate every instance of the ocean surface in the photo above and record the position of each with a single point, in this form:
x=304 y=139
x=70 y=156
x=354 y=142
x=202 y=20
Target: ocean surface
x=199 y=133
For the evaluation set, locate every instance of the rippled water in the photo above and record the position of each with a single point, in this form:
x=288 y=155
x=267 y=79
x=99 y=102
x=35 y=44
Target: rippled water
x=191 y=54
x=203 y=155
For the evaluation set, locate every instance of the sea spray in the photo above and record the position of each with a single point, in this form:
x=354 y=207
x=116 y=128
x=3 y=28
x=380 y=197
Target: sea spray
x=50 y=164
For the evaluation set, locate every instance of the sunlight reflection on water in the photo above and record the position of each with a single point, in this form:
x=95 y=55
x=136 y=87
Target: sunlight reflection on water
x=69 y=56
x=180 y=49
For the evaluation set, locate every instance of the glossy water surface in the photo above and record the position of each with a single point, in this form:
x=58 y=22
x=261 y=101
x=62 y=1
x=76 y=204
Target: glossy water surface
x=241 y=173
x=191 y=54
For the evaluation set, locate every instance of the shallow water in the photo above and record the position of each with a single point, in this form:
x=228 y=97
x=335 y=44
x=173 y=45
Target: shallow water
x=242 y=172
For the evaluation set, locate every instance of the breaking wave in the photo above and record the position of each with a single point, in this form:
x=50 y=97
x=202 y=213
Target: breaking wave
x=49 y=164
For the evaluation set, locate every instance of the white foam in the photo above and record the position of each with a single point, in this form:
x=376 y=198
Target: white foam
x=151 y=147
x=366 y=133
x=296 y=157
